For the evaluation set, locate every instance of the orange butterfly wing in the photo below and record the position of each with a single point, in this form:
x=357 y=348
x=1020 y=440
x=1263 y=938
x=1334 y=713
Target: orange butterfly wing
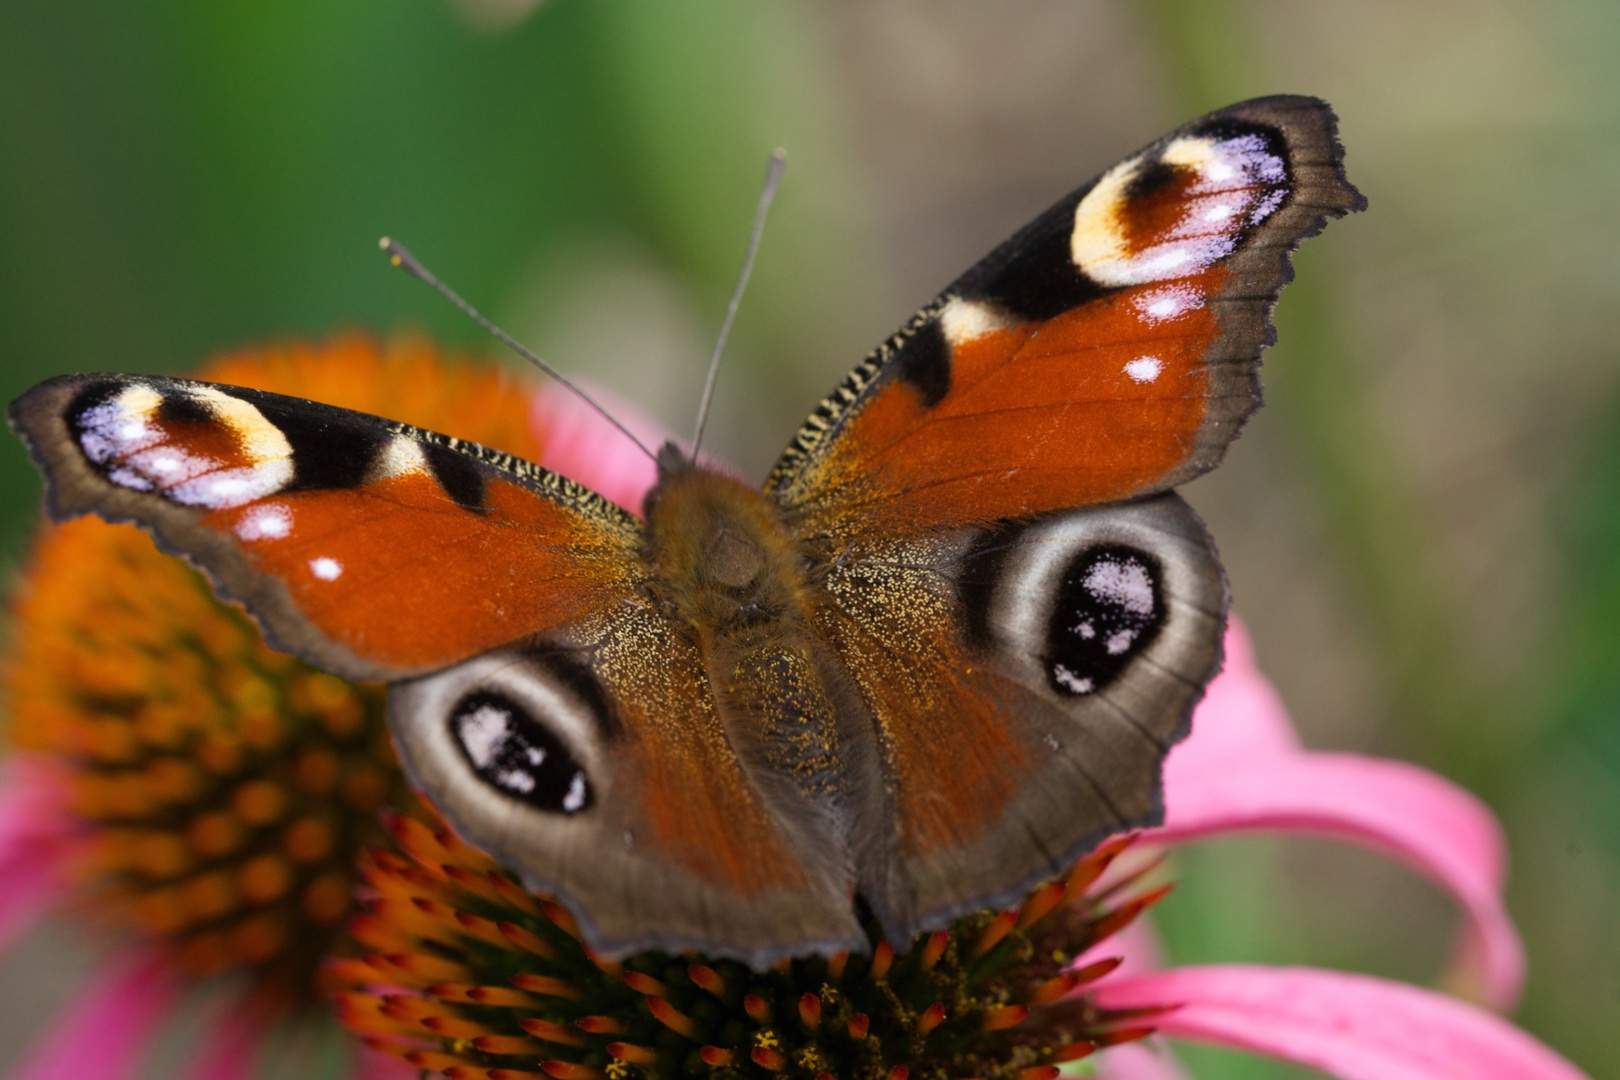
x=1107 y=351
x=1027 y=615
x=370 y=548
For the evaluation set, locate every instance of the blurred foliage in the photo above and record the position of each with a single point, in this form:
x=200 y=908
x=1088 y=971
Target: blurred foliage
x=1488 y=208
x=178 y=177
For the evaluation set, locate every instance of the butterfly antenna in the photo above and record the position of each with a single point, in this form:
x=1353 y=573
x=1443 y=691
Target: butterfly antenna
x=773 y=180
x=401 y=257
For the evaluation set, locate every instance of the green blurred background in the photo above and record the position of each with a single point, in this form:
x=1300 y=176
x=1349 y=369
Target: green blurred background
x=1422 y=528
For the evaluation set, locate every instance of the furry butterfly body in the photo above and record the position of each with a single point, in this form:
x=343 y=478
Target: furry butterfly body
x=942 y=652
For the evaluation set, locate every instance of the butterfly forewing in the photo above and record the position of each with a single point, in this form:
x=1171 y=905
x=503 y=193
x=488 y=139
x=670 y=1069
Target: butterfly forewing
x=1109 y=350
x=369 y=548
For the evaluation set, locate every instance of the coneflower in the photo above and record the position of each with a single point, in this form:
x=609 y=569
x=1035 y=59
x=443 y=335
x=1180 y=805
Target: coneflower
x=470 y=974
x=197 y=797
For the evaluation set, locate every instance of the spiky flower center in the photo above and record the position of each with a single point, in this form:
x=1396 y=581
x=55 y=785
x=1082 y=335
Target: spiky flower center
x=224 y=790
x=472 y=975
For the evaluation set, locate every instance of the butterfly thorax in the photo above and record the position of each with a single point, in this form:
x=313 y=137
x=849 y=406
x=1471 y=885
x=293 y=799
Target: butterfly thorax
x=728 y=570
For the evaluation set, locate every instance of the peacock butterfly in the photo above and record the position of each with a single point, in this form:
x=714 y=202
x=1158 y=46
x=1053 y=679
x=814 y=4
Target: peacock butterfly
x=942 y=653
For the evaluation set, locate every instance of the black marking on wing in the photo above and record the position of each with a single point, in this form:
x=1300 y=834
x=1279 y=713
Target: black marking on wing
x=1150 y=177
x=458 y=475
x=1109 y=608
x=1041 y=282
x=980 y=570
x=925 y=362
x=184 y=409
x=582 y=682
x=327 y=453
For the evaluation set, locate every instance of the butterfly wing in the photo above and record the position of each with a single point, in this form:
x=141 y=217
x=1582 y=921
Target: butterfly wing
x=369 y=548
x=538 y=699
x=1024 y=682
x=1109 y=350
x=593 y=760
x=1028 y=619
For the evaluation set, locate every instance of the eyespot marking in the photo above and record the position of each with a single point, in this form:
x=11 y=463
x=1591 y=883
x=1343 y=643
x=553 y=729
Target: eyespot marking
x=516 y=755
x=1172 y=213
x=197 y=446
x=1109 y=608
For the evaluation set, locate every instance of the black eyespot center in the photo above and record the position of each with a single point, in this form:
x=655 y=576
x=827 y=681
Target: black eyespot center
x=1109 y=609
x=518 y=756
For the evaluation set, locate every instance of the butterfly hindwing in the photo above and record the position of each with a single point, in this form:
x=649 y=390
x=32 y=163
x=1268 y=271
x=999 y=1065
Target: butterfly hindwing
x=370 y=548
x=1024 y=694
x=594 y=761
x=1107 y=351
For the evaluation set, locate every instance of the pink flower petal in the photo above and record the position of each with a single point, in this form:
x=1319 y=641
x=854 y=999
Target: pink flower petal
x=580 y=444
x=1241 y=771
x=1137 y=947
x=37 y=837
x=105 y=1033
x=1350 y=1026
x=1240 y=717
x=376 y=1065
x=1139 y=1061
x=231 y=1046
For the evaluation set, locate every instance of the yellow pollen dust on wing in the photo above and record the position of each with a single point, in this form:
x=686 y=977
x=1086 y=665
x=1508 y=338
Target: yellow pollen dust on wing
x=260 y=440
x=962 y=321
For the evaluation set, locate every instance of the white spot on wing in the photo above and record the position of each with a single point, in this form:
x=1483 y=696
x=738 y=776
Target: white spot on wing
x=1168 y=302
x=1266 y=207
x=272 y=521
x=963 y=320
x=400 y=457
x=1123 y=583
x=129 y=478
x=1070 y=681
x=575 y=798
x=515 y=780
x=1119 y=642
x=119 y=427
x=325 y=568
x=227 y=488
x=1144 y=369
x=483 y=732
